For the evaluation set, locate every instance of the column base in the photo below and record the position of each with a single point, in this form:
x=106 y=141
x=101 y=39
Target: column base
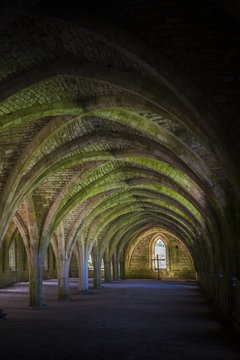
x=39 y=307
x=85 y=292
x=67 y=298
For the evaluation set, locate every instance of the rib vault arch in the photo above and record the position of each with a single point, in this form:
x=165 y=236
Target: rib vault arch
x=104 y=139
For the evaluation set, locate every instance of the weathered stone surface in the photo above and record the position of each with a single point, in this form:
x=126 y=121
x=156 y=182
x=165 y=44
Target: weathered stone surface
x=142 y=261
x=113 y=124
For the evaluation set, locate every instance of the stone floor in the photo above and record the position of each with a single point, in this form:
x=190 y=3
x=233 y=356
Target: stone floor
x=130 y=320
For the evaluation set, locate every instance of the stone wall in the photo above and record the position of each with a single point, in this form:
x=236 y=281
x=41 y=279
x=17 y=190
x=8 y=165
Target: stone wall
x=20 y=273
x=179 y=262
x=9 y=277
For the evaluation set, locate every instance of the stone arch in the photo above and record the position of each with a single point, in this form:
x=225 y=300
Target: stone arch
x=179 y=261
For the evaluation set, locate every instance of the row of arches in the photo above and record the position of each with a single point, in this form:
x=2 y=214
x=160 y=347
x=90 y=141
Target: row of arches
x=14 y=259
x=102 y=138
x=158 y=257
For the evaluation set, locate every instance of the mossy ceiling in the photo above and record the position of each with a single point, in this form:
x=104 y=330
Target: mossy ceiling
x=104 y=141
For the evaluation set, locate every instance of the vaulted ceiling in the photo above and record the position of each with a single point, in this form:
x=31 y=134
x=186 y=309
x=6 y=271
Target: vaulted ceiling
x=117 y=118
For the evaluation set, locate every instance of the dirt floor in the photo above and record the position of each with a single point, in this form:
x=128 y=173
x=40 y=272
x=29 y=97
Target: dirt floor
x=130 y=320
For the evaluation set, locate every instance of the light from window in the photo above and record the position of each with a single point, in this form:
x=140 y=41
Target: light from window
x=12 y=258
x=160 y=250
x=90 y=263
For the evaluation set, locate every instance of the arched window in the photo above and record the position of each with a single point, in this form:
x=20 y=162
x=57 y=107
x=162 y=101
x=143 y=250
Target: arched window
x=12 y=256
x=160 y=254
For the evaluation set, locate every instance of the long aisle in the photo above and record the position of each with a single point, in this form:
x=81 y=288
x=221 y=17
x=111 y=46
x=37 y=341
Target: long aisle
x=130 y=320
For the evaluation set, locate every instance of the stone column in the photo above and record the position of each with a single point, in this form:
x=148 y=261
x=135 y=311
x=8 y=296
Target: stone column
x=83 y=276
x=122 y=270
x=97 y=274
x=35 y=266
x=31 y=237
x=63 y=279
x=115 y=266
x=82 y=260
x=63 y=263
x=107 y=267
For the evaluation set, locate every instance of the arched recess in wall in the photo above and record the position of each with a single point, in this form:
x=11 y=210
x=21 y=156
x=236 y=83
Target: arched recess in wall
x=141 y=260
x=15 y=253
x=13 y=257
